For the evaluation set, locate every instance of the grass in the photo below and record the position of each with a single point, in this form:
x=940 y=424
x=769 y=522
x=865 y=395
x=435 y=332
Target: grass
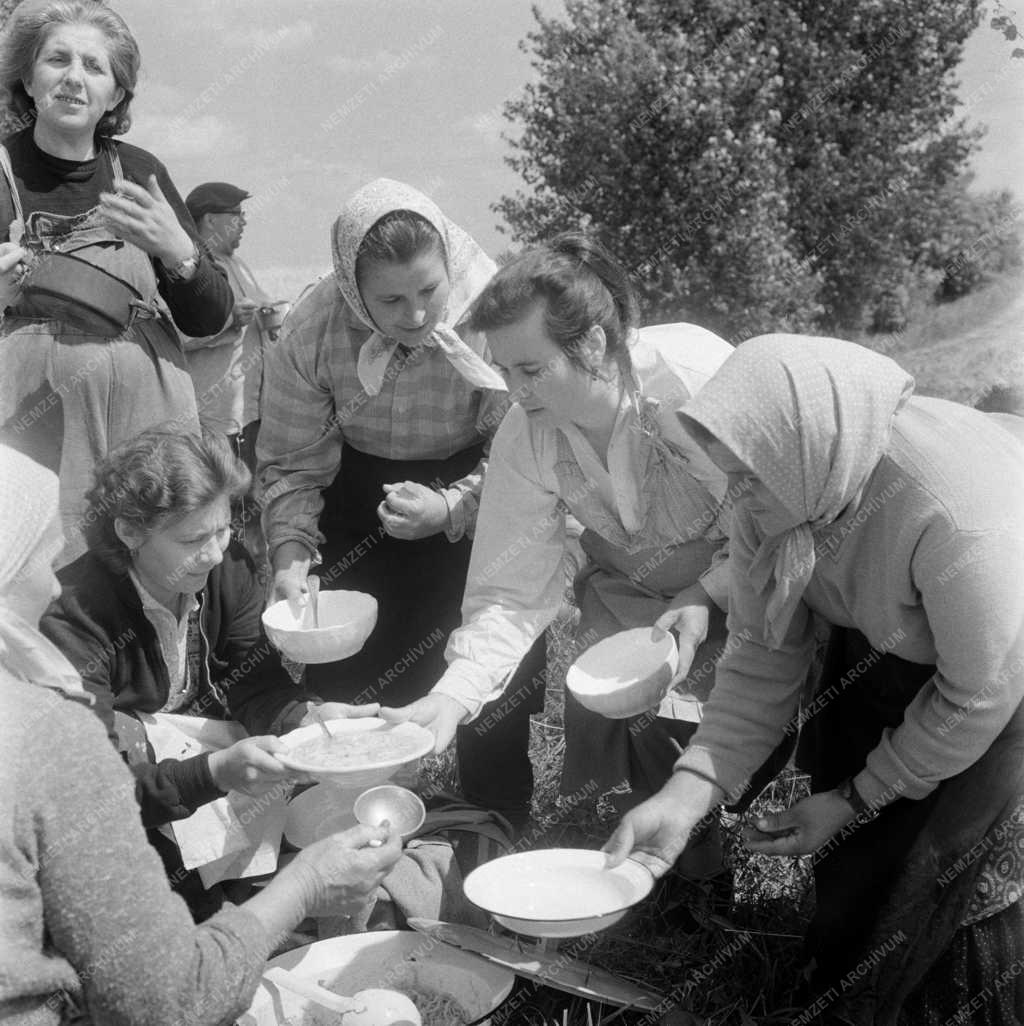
x=957 y=350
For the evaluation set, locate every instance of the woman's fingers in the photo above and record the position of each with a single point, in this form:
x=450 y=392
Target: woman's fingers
x=269 y=743
x=396 y=715
x=619 y=845
x=11 y=255
x=154 y=191
x=766 y=844
x=394 y=523
x=345 y=710
x=114 y=204
x=773 y=835
x=438 y=713
x=667 y=620
x=360 y=836
x=141 y=196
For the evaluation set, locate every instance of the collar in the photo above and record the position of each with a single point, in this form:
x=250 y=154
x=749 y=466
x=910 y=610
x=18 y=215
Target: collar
x=150 y=604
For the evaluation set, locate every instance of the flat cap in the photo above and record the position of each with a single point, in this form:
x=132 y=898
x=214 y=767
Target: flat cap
x=213 y=198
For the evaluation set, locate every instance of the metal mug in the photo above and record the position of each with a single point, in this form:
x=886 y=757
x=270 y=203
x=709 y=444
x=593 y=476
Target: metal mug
x=272 y=315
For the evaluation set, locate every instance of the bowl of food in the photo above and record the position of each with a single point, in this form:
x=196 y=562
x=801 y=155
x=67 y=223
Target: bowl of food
x=626 y=674
x=357 y=753
x=344 y=622
x=557 y=892
x=449 y=987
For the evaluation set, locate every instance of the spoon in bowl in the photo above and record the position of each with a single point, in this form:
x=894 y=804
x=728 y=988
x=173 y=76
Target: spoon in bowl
x=374 y=1006
x=313 y=584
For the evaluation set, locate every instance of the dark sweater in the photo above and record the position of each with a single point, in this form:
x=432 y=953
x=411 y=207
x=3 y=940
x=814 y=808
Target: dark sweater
x=98 y=622
x=67 y=188
x=85 y=906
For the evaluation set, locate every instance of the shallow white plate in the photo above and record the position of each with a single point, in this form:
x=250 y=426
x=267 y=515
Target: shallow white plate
x=367 y=769
x=557 y=892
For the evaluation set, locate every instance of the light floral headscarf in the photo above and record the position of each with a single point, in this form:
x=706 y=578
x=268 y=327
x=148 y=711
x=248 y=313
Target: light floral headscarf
x=469 y=270
x=28 y=504
x=811 y=417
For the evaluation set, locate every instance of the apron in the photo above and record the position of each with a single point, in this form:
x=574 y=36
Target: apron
x=68 y=397
x=418 y=584
x=627 y=582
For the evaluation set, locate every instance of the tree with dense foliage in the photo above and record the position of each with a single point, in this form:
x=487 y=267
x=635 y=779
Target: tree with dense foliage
x=757 y=164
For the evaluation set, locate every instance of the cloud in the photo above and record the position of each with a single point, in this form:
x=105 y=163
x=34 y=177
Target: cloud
x=286 y=281
x=485 y=125
x=173 y=138
x=381 y=61
x=290 y=36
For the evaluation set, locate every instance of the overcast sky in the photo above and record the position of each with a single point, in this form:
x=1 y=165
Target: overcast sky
x=302 y=101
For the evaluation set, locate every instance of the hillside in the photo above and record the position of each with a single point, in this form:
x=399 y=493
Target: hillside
x=957 y=350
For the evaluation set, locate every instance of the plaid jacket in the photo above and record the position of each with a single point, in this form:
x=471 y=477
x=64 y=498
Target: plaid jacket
x=313 y=402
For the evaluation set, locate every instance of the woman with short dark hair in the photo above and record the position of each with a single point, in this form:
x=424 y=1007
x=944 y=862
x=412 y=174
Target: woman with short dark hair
x=88 y=920
x=593 y=431
x=162 y=614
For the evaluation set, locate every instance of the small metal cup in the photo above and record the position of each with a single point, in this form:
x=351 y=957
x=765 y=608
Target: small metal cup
x=272 y=316
x=402 y=808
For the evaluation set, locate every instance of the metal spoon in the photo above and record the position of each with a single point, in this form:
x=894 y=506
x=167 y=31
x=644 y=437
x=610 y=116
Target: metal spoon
x=313 y=583
x=319 y=719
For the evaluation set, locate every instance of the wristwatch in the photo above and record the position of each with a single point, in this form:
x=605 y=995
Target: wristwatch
x=849 y=793
x=185 y=269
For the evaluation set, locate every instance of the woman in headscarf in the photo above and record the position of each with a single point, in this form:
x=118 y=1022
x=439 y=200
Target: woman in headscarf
x=898 y=519
x=378 y=406
x=97 y=254
x=594 y=432
x=88 y=917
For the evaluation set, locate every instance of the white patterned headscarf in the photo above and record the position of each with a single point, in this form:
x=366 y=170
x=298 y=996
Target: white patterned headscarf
x=469 y=270
x=811 y=417
x=28 y=505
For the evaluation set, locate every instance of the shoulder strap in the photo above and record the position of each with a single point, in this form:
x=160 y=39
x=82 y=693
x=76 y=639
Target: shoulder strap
x=8 y=171
x=115 y=160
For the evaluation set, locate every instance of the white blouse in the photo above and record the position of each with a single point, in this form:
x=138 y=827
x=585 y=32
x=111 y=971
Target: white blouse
x=516 y=576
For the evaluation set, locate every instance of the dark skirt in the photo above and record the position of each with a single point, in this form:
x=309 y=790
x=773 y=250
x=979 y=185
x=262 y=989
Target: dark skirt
x=887 y=942
x=418 y=586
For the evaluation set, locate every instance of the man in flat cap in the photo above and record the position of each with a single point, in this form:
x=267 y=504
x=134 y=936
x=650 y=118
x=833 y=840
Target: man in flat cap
x=227 y=368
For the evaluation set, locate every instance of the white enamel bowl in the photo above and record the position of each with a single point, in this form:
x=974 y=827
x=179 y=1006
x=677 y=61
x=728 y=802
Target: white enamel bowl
x=368 y=771
x=385 y=958
x=557 y=892
x=345 y=617
x=626 y=674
